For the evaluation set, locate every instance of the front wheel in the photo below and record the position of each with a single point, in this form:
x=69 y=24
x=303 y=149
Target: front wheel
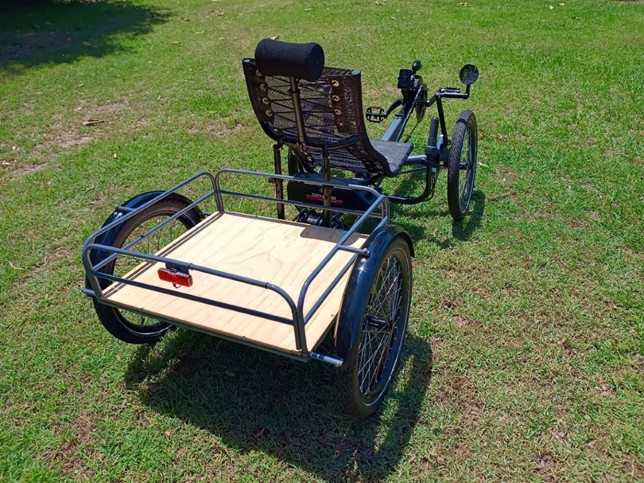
x=376 y=308
x=461 y=165
x=129 y=326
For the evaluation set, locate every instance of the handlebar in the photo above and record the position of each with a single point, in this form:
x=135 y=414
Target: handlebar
x=453 y=95
x=450 y=93
x=415 y=99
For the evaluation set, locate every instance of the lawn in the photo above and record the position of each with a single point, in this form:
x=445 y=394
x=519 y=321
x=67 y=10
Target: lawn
x=525 y=349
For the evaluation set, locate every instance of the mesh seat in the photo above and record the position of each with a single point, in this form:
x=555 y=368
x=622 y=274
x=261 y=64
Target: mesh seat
x=331 y=110
x=394 y=153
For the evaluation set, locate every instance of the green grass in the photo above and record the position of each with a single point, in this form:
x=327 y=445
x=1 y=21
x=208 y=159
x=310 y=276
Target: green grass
x=525 y=350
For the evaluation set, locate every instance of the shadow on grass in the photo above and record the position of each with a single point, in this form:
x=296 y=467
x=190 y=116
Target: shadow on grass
x=413 y=185
x=40 y=32
x=256 y=401
x=462 y=231
x=465 y=229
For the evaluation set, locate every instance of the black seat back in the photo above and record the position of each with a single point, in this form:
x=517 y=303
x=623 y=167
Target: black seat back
x=314 y=110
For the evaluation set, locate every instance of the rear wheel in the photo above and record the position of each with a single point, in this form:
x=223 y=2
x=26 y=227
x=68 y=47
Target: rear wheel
x=129 y=326
x=380 y=316
x=461 y=165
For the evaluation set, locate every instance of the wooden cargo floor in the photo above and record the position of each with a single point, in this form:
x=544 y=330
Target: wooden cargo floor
x=281 y=252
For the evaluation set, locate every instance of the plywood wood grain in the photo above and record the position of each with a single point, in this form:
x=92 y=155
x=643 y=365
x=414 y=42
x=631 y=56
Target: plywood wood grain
x=279 y=252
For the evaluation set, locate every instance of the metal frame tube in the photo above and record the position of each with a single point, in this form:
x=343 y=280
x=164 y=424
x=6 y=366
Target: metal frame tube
x=379 y=208
x=297 y=109
x=279 y=184
x=132 y=212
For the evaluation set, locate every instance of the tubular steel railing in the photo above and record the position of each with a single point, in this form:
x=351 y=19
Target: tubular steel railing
x=379 y=208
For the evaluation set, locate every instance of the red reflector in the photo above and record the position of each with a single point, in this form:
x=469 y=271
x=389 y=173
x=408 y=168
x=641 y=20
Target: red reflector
x=174 y=277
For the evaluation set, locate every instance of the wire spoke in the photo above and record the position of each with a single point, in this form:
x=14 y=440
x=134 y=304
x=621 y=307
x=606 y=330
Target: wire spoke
x=380 y=325
x=152 y=244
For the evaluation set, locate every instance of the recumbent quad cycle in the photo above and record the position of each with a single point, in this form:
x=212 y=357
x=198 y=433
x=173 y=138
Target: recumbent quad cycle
x=338 y=270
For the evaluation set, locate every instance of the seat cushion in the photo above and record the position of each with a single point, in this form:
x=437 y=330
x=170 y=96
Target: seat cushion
x=395 y=153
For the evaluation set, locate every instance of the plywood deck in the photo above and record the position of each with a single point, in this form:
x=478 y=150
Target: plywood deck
x=279 y=252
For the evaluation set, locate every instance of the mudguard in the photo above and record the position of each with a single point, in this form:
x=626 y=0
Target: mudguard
x=108 y=237
x=360 y=281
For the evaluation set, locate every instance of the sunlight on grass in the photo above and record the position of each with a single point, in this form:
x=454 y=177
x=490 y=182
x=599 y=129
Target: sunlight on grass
x=525 y=347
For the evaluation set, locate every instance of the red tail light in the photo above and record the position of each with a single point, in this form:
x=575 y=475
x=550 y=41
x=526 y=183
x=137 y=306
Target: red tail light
x=174 y=277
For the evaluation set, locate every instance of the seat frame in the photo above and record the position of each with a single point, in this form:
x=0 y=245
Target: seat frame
x=322 y=118
x=318 y=115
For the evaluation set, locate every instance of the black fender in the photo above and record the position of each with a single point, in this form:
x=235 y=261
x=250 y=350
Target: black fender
x=137 y=201
x=356 y=294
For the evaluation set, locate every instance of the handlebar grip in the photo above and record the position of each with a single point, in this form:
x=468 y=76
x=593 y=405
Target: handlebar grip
x=454 y=95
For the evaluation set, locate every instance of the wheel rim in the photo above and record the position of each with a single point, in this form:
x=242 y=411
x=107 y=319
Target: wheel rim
x=151 y=244
x=466 y=166
x=381 y=329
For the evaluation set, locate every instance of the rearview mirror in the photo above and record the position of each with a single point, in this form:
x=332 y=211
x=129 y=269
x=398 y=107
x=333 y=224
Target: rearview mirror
x=468 y=74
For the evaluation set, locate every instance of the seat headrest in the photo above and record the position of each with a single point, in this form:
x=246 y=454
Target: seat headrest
x=304 y=61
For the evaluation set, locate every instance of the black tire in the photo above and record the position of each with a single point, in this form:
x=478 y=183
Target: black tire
x=461 y=165
x=129 y=326
x=378 y=310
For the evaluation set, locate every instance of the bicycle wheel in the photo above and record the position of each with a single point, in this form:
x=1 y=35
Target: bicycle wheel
x=377 y=301
x=461 y=165
x=123 y=324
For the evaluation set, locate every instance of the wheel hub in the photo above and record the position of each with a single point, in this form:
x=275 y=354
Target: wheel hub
x=377 y=322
